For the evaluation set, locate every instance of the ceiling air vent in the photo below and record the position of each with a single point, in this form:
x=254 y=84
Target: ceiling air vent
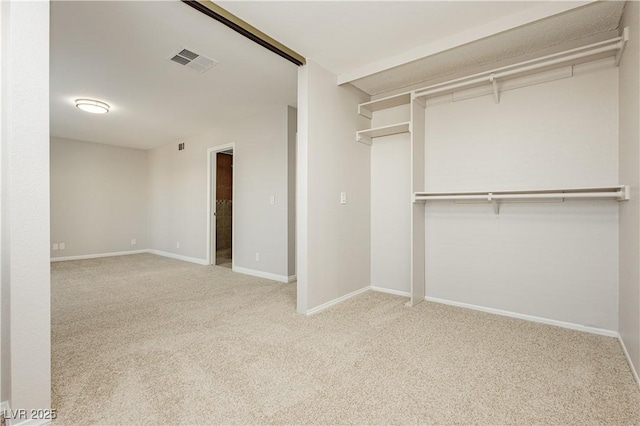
x=192 y=60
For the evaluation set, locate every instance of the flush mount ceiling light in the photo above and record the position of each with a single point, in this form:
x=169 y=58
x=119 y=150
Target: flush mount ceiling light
x=92 y=106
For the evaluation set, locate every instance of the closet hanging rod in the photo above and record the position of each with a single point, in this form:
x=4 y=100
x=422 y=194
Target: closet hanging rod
x=619 y=193
x=491 y=197
x=617 y=43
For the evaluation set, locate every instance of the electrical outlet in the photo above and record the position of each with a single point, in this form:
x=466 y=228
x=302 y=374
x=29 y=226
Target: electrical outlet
x=55 y=246
x=272 y=200
x=133 y=242
x=257 y=257
x=61 y=245
x=343 y=198
x=177 y=244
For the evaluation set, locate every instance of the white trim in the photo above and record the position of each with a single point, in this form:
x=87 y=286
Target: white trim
x=5 y=408
x=261 y=274
x=31 y=422
x=336 y=301
x=179 y=257
x=210 y=241
x=390 y=291
x=626 y=354
x=571 y=326
x=97 y=255
x=292 y=278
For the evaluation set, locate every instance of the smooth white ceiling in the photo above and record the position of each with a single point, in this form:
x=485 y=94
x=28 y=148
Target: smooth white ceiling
x=116 y=52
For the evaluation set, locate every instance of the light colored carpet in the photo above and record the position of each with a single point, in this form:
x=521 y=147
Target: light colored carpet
x=148 y=340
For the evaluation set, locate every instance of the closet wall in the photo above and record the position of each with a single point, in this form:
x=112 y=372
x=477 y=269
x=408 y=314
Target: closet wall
x=391 y=205
x=554 y=260
x=629 y=158
x=551 y=260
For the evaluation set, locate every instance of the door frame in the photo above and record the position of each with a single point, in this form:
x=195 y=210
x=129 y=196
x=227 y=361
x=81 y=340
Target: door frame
x=211 y=199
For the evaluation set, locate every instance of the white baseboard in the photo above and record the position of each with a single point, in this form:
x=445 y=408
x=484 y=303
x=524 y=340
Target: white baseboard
x=626 y=354
x=336 y=301
x=32 y=422
x=6 y=408
x=97 y=255
x=292 y=278
x=261 y=274
x=572 y=326
x=126 y=253
x=178 y=257
x=390 y=291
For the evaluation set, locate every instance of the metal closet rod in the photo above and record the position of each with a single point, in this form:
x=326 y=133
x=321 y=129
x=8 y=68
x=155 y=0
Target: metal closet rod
x=617 y=43
x=619 y=193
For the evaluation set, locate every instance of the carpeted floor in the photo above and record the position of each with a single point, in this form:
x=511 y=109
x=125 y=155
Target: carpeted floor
x=147 y=340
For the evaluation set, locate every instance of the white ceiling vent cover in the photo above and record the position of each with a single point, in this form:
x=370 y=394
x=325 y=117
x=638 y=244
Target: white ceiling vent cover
x=194 y=61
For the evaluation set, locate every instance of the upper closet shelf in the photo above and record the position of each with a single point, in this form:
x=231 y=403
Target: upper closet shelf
x=368 y=108
x=591 y=52
x=365 y=136
x=616 y=193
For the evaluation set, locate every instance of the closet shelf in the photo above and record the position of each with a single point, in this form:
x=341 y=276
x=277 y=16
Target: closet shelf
x=366 y=136
x=493 y=78
x=368 y=108
x=616 y=193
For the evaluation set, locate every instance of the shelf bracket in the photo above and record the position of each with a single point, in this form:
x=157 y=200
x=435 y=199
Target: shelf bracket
x=496 y=205
x=364 y=139
x=623 y=44
x=365 y=112
x=626 y=193
x=419 y=101
x=496 y=93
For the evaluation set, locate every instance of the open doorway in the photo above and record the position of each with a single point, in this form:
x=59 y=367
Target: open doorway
x=221 y=205
x=224 y=208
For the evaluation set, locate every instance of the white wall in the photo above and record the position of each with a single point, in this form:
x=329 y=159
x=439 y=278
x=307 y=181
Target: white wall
x=98 y=198
x=334 y=239
x=292 y=130
x=24 y=171
x=629 y=158
x=178 y=193
x=557 y=261
x=5 y=302
x=391 y=204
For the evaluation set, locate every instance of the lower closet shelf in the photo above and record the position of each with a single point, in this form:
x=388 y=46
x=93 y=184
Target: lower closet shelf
x=365 y=136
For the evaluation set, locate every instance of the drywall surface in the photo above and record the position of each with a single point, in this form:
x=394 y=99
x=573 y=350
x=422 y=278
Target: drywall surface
x=292 y=129
x=334 y=240
x=557 y=261
x=5 y=302
x=629 y=159
x=391 y=204
x=178 y=193
x=26 y=368
x=98 y=198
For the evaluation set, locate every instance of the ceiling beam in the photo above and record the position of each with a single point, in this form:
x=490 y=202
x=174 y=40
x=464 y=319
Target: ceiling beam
x=230 y=20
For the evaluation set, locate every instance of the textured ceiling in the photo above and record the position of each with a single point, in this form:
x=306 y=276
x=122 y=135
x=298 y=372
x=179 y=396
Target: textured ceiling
x=589 y=23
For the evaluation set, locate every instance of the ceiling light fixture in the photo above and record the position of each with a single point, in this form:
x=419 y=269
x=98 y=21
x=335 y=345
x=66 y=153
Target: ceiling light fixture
x=92 y=106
